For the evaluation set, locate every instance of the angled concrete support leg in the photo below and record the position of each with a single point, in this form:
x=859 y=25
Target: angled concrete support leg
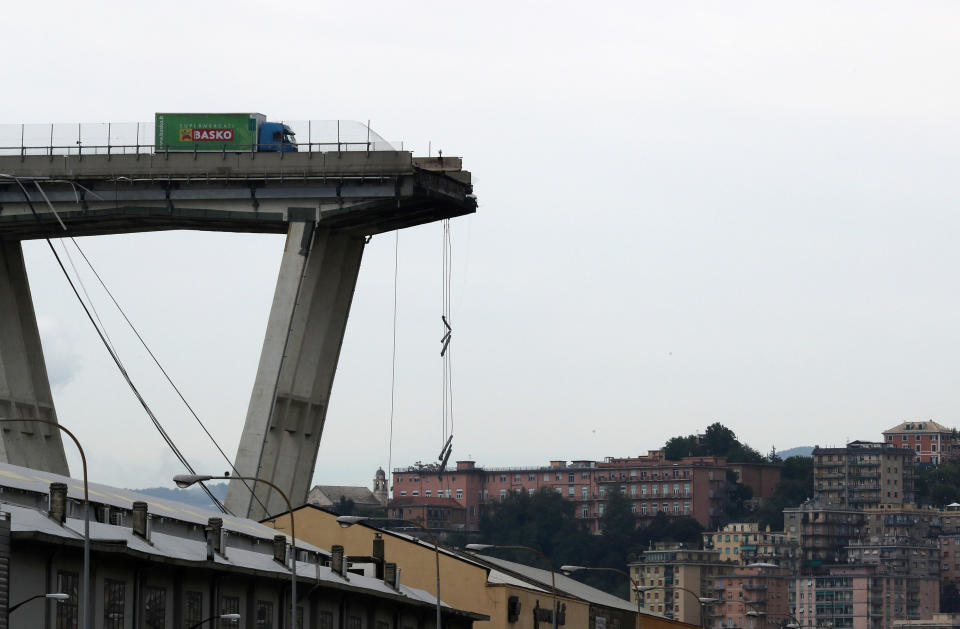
x=24 y=387
x=292 y=388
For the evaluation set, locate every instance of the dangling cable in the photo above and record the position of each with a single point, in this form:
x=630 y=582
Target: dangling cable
x=393 y=360
x=445 y=353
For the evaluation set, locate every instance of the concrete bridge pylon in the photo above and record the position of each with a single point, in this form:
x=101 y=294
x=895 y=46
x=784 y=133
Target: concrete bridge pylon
x=301 y=349
x=24 y=385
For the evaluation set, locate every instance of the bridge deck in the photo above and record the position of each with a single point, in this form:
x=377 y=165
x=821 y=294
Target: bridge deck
x=359 y=192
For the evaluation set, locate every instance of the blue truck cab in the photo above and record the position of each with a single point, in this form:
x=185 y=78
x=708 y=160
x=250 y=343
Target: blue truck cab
x=277 y=137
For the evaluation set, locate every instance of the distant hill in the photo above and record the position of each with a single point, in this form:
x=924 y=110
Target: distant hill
x=798 y=451
x=194 y=496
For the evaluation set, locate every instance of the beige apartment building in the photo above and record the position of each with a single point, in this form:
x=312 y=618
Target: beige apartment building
x=863 y=475
x=678 y=577
x=746 y=542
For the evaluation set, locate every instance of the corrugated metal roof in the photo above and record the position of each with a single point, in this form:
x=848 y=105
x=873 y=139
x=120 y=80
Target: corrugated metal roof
x=566 y=585
x=25 y=519
x=37 y=481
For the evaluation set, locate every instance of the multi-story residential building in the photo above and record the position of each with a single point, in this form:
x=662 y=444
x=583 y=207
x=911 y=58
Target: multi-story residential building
x=824 y=533
x=929 y=441
x=693 y=486
x=745 y=543
x=902 y=522
x=861 y=597
x=949 y=558
x=678 y=577
x=756 y=588
x=863 y=475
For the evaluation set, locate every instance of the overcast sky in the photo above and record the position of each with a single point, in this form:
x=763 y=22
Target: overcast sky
x=689 y=213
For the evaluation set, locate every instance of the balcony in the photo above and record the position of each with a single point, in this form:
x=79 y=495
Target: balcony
x=754 y=588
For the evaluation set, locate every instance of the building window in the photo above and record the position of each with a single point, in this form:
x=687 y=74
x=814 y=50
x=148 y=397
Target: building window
x=584 y=493
x=643 y=508
x=154 y=608
x=516 y=478
x=503 y=496
x=603 y=491
x=503 y=479
x=633 y=490
x=633 y=508
x=415 y=492
x=584 y=512
x=425 y=493
x=354 y=622
x=643 y=490
x=559 y=476
x=229 y=605
x=67 y=611
x=530 y=477
x=570 y=477
x=584 y=475
x=193 y=611
x=113 y=603
x=459 y=497
x=676 y=507
x=686 y=508
x=531 y=491
x=546 y=476
x=326 y=620
x=686 y=489
x=600 y=510
x=402 y=493
x=265 y=615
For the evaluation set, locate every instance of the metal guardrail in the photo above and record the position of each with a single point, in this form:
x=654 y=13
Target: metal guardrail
x=137 y=138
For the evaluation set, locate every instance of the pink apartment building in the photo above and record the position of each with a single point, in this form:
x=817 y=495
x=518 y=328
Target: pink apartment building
x=693 y=486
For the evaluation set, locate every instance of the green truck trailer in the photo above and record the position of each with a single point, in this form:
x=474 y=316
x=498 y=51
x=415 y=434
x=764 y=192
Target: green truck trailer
x=221 y=132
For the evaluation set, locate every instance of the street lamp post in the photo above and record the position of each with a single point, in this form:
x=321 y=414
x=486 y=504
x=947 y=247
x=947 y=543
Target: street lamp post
x=702 y=600
x=185 y=480
x=350 y=520
x=633 y=583
x=553 y=578
x=55 y=596
x=234 y=617
x=85 y=583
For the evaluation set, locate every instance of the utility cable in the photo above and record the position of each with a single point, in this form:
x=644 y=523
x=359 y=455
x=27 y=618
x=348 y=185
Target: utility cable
x=116 y=359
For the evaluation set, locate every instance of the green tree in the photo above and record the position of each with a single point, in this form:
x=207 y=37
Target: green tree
x=544 y=521
x=939 y=485
x=717 y=440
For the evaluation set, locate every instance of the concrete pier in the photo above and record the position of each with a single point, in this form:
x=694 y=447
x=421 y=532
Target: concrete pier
x=24 y=386
x=297 y=365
